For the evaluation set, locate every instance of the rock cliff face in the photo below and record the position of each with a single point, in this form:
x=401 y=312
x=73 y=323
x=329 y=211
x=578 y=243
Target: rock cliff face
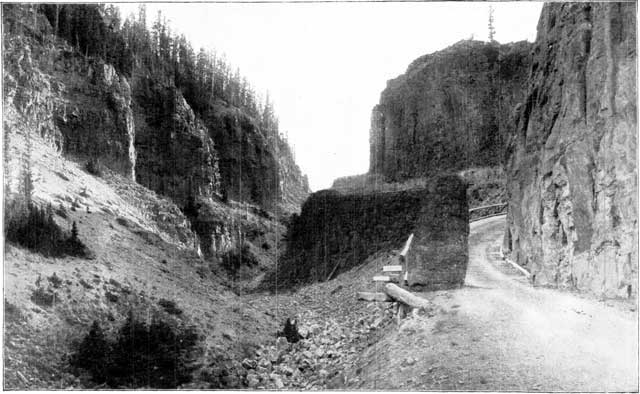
x=294 y=185
x=82 y=107
x=337 y=231
x=248 y=162
x=143 y=129
x=449 y=111
x=176 y=156
x=571 y=165
x=32 y=94
x=97 y=120
x=226 y=155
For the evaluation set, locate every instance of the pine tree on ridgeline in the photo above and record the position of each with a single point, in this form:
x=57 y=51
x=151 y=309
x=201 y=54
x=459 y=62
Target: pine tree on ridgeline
x=492 y=29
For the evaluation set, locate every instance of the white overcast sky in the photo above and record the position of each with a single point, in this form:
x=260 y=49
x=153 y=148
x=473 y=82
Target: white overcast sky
x=325 y=64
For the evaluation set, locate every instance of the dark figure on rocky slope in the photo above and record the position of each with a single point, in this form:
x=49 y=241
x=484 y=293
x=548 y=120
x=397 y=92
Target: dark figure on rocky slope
x=290 y=331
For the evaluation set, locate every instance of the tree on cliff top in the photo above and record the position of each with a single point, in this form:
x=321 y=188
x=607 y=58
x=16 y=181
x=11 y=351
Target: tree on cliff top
x=492 y=29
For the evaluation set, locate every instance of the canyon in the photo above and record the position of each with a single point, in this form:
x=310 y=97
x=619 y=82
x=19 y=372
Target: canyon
x=554 y=124
x=197 y=217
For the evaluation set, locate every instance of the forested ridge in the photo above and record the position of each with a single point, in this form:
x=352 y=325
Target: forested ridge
x=204 y=76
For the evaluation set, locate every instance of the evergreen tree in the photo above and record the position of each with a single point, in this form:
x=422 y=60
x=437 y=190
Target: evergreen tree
x=492 y=29
x=74 y=231
x=132 y=47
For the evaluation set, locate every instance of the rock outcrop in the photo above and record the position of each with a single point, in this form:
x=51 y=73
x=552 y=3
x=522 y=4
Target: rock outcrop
x=449 y=111
x=226 y=156
x=572 y=170
x=144 y=129
x=176 y=156
x=294 y=185
x=247 y=159
x=97 y=120
x=81 y=107
x=32 y=94
x=341 y=230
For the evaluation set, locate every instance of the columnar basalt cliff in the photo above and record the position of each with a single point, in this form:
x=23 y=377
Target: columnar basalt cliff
x=97 y=121
x=176 y=156
x=449 y=111
x=248 y=161
x=337 y=231
x=572 y=164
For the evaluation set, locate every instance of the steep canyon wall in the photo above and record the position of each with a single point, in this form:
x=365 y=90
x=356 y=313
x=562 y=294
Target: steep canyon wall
x=449 y=111
x=571 y=162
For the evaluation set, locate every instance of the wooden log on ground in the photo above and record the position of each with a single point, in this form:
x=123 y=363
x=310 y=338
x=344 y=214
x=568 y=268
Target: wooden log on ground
x=407 y=298
x=370 y=296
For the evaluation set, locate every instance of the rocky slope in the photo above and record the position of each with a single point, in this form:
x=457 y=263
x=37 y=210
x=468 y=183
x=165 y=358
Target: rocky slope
x=144 y=254
x=144 y=129
x=571 y=165
x=449 y=111
x=144 y=260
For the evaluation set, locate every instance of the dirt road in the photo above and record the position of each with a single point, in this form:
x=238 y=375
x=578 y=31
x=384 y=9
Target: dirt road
x=499 y=333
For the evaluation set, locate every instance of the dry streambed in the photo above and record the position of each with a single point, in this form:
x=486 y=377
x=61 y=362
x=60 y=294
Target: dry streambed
x=332 y=344
x=337 y=328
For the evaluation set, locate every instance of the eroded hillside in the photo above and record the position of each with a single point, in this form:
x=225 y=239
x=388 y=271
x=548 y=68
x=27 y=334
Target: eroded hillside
x=120 y=166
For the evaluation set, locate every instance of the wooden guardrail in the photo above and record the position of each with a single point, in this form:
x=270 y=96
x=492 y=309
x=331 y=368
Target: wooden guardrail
x=487 y=206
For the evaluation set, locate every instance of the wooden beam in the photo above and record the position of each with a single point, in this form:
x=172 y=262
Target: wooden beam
x=386 y=278
x=333 y=271
x=519 y=268
x=370 y=296
x=405 y=250
x=407 y=298
x=487 y=206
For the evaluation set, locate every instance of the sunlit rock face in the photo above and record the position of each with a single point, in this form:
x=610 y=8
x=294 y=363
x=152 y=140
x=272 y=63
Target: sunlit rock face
x=571 y=161
x=80 y=106
x=449 y=111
